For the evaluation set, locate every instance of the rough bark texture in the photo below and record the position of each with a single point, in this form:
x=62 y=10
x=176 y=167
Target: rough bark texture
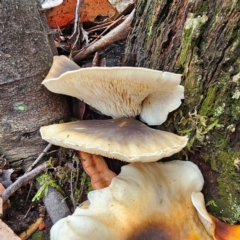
x=200 y=39
x=26 y=52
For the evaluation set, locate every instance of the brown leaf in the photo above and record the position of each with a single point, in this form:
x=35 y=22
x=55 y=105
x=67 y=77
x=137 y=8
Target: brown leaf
x=6 y=233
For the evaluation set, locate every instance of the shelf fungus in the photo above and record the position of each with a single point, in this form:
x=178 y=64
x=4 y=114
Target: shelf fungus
x=119 y=91
x=123 y=139
x=146 y=201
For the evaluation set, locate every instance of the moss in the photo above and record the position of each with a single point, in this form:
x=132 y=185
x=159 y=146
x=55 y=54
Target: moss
x=20 y=106
x=40 y=235
x=201 y=7
x=191 y=33
x=206 y=106
x=226 y=162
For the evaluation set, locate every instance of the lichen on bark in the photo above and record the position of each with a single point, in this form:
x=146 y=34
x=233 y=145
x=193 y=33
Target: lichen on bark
x=201 y=40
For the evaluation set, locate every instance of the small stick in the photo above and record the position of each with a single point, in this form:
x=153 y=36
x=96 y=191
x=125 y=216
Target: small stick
x=110 y=27
x=31 y=185
x=76 y=21
x=71 y=185
x=31 y=229
x=39 y=157
x=1 y=207
x=95 y=60
x=28 y=210
x=23 y=179
x=118 y=33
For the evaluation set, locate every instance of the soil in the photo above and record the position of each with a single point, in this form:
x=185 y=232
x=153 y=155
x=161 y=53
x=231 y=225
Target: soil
x=23 y=212
x=210 y=176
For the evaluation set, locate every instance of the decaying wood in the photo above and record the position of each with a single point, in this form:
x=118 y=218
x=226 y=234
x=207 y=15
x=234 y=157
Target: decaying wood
x=119 y=33
x=23 y=179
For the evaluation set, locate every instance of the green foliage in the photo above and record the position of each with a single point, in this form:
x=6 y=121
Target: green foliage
x=45 y=180
x=197 y=127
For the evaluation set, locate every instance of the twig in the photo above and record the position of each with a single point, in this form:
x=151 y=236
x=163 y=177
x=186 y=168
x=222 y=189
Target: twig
x=31 y=229
x=1 y=207
x=77 y=177
x=110 y=27
x=71 y=185
x=28 y=210
x=76 y=31
x=23 y=179
x=118 y=33
x=76 y=21
x=95 y=60
x=39 y=157
x=31 y=185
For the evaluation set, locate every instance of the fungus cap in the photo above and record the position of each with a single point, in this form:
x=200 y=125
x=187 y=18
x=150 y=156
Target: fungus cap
x=124 y=139
x=61 y=65
x=120 y=91
x=145 y=201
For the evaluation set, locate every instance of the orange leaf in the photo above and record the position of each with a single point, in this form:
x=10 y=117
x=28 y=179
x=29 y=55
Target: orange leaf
x=62 y=14
x=41 y=226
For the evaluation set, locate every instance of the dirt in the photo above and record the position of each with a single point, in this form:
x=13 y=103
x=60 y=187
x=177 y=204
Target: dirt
x=210 y=176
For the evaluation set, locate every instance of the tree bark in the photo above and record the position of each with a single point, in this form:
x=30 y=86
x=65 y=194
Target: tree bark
x=26 y=53
x=200 y=39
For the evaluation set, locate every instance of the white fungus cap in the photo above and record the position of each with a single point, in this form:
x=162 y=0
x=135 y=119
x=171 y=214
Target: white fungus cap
x=145 y=201
x=124 y=139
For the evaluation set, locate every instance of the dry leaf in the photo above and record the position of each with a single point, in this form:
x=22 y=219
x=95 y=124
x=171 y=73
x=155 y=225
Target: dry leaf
x=62 y=14
x=121 y=5
x=6 y=233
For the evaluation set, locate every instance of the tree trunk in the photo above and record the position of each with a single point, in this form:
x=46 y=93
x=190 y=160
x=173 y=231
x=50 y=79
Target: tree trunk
x=26 y=52
x=200 y=39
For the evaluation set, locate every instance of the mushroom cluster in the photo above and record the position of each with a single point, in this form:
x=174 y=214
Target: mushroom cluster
x=173 y=189
x=122 y=93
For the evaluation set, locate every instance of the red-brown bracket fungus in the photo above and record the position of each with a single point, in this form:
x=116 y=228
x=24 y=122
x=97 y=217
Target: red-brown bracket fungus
x=120 y=91
x=146 y=201
x=124 y=139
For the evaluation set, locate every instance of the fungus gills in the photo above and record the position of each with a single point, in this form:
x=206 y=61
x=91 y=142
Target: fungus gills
x=119 y=91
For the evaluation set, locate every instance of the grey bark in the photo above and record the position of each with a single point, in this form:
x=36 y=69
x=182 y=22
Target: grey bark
x=26 y=52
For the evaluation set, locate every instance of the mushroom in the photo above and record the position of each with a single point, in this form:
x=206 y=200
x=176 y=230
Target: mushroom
x=61 y=65
x=119 y=91
x=124 y=139
x=146 y=201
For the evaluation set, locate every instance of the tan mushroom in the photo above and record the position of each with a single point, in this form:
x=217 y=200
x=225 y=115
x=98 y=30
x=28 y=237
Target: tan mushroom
x=61 y=65
x=124 y=139
x=120 y=91
x=146 y=201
